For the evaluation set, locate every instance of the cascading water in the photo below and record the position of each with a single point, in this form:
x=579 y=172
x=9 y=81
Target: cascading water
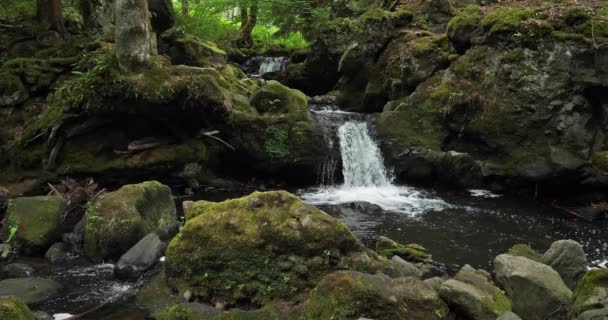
x=365 y=176
x=272 y=64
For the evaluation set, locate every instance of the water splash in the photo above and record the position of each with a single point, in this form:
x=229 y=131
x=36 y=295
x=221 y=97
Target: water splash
x=272 y=64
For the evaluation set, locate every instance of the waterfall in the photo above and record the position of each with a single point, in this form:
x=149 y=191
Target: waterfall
x=272 y=64
x=366 y=179
x=362 y=163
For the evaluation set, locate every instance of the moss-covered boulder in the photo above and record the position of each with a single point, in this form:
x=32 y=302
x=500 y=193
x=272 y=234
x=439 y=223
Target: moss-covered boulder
x=15 y=309
x=410 y=252
x=118 y=220
x=275 y=98
x=203 y=312
x=261 y=247
x=351 y=295
x=591 y=290
x=184 y=48
x=524 y=250
x=472 y=295
x=461 y=27
x=12 y=90
x=34 y=223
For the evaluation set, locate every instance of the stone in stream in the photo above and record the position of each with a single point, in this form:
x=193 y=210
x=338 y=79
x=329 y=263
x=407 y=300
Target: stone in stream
x=523 y=250
x=17 y=270
x=473 y=295
x=12 y=308
x=592 y=291
x=283 y=244
x=141 y=257
x=119 y=219
x=410 y=252
x=536 y=290
x=57 y=253
x=342 y=292
x=30 y=290
x=33 y=222
x=41 y=315
x=568 y=259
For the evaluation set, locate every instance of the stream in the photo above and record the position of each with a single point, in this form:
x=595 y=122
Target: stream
x=457 y=227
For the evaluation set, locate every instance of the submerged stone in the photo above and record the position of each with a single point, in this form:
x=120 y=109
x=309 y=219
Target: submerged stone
x=30 y=290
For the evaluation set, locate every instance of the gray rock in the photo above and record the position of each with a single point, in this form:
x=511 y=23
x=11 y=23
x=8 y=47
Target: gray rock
x=474 y=296
x=12 y=91
x=30 y=290
x=141 y=257
x=132 y=35
x=568 y=259
x=57 y=253
x=407 y=268
x=536 y=290
x=595 y=314
x=5 y=251
x=41 y=315
x=17 y=270
x=508 y=316
x=435 y=282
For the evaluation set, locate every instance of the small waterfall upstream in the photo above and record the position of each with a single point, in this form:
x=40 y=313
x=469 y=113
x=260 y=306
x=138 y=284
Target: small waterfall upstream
x=349 y=137
x=256 y=67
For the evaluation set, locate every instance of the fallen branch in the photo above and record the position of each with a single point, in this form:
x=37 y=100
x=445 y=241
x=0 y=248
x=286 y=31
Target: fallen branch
x=54 y=190
x=211 y=134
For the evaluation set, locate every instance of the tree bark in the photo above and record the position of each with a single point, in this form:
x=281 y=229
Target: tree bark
x=49 y=13
x=252 y=19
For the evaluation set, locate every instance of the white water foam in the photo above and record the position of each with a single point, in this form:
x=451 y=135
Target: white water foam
x=62 y=316
x=482 y=193
x=272 y=64
x=366 y=179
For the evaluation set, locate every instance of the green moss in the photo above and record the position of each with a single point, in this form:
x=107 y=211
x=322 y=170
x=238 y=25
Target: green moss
x=276 y=99
x=402 y=17
x=275 y=144
x=579 y=24
x=410 y=252
x=12 y=90
x=177 y=312
x=374 y=14
x=600 y=160
x=14 y=309
x=466 y=20
x=506 y=20
x=523 y=250
x=500 y=305
x=425 y=45
x=593 y=279
x=250 y=250
x=37 y=220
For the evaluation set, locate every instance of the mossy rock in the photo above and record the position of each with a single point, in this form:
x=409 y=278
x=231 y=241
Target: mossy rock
x=275 y=98
x=600 y=160
x=36 y=222
x=256 y=248
x=410 y=252
x=12 y=90
x=461 y=27
x=523 y=250
x=188 y=49
x=118 y=220
x=591 y=290
x=351 y=295
x=14 y=309
x=506 y=20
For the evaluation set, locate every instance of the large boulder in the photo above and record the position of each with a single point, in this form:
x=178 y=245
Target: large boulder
x=15 y=309
x=568 y=259
x=472 y=295
x=34 y=223
x=263 y=246
x=536 y=290
x=16 y=270
x=351 y=295
x=30 y=290
x=132 y=35
x=143 y=256
x=184 y=48
x=118 y=220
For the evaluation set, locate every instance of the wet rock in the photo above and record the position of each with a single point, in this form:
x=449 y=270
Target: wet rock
x=75 y=238
x=30 y=290
x=460 y=29
x=41 y=315
x=523 y=278
x=435 y=282
x=15 y=309
x=343 y=292
x=34 y=222
x=141 y=257
x=431 y=271
x=155 y=295
x=17 y=270
x=568 y=259
x=274 y=237
x=599 y=312
x=407 y=269
x=6 y=250
x=57 y=253
x=474 y=296
x=132 y=35
x=508 y=316
x=365 y=207
x=410 y=252
x=119 y=219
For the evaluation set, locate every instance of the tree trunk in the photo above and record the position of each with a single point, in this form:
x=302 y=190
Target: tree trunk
x=244 y=13
x=246 y=41
x=184 y=8
x=132 y=40
x=49 y=13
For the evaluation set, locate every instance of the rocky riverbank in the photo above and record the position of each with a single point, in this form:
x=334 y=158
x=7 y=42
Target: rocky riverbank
x=271 y=256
